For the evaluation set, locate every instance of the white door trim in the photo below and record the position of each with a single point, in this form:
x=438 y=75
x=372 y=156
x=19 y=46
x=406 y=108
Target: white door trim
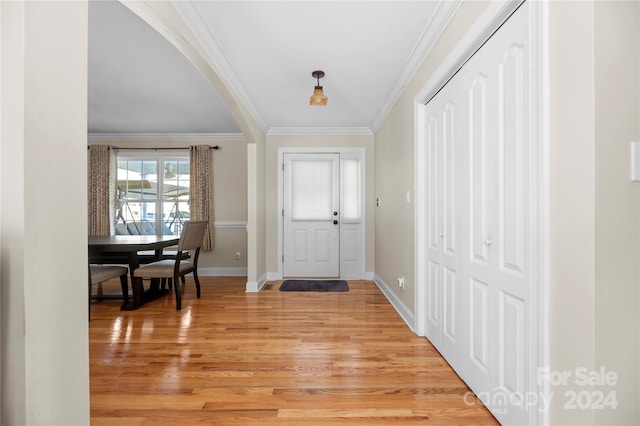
x=345 y=152
x=492 y=18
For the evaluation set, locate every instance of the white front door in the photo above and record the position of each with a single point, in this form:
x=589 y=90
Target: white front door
x=311 y=215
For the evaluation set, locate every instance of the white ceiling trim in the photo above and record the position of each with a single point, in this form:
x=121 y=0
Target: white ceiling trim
x=363 y=131
x=194 y=20
x=445 y=10
x=163 y=137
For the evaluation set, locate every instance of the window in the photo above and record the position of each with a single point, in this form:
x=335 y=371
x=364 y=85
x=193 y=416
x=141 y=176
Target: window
x=351 y=190
x=152 y=193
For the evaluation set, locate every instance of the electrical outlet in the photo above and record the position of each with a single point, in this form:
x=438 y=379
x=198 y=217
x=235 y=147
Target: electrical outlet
x=237 y=255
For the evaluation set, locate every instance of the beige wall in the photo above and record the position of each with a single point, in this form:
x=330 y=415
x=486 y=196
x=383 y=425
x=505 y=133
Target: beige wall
x=571 y=199
x=230 y=207
x=394 y=172
x=617 y=200
x=594 y=211
x=275 y=142
x=45 y=360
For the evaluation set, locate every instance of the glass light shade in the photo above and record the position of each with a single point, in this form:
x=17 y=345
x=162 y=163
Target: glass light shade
x=318 y=98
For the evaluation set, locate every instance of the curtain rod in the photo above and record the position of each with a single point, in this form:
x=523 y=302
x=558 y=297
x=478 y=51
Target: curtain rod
x=215 y=147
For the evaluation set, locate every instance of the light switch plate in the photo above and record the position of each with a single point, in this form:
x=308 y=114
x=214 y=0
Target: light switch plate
x=635 y=161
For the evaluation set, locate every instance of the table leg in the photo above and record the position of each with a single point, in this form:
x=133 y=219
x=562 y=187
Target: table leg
x=137 y=287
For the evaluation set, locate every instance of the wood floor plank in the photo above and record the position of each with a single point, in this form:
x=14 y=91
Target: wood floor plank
x=269 y=358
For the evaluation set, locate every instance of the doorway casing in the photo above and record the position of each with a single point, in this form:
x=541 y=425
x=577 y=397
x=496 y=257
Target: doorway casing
x=348 y=268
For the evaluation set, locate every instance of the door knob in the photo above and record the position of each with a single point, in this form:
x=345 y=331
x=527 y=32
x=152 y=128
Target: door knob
x=488 y=241
x=335 y=222
x=335 y=213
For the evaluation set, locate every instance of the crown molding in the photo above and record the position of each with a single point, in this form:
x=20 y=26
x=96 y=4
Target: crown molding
x=363 y=131
x=494 y=15
x=445 y=10
x=165 y=137
x=200 y=29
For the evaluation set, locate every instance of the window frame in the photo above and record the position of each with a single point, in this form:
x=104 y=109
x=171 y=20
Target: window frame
x=160 y=157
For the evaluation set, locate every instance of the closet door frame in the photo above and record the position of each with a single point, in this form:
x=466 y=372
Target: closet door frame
x=495 y=14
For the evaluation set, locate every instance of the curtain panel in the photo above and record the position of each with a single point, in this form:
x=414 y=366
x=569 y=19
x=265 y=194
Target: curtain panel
x=201 y=192
x=101 y=189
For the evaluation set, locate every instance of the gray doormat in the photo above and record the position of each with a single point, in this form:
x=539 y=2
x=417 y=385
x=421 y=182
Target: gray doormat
x=314 y=285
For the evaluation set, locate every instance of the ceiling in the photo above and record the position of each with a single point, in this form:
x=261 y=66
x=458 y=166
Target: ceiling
x=266 y=50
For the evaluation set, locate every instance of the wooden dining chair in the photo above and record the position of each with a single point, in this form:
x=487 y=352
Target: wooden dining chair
x=148 y=256
x=173 y=269
x=102 y=273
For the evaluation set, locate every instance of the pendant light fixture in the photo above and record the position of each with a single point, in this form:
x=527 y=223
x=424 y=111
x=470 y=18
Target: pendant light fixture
x=318 y=98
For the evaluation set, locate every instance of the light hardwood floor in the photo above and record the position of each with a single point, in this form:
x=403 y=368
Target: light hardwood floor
x=269 y=358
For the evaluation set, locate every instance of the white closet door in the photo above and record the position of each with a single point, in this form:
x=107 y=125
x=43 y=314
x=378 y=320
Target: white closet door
x=446 y=316
x=478 y=204
x=499 y=225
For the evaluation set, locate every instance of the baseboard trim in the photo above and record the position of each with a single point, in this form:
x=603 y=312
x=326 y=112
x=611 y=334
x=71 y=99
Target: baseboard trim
x=402 y=309
x=273 y=276
x=256 y=286
x=222 y=272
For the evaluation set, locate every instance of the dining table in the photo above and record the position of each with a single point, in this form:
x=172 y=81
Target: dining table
x=126 y=249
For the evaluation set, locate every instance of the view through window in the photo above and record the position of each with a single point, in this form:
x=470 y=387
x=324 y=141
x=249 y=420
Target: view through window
x=152 y=194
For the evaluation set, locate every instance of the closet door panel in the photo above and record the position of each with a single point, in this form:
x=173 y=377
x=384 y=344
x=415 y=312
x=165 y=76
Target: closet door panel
x=434 y=166
x=479 y=327
x=450 y=296
x=450 y=172
x=434 y=303
x=513 y=280
x=446 y=316
x=512 y=168
x=434 y=226
x=511 y=344
x=479 y=169
x=454 y=316
x=502 y=66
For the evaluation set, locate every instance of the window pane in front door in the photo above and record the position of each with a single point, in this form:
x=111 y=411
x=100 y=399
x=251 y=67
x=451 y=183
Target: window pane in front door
x=350 y=190
x=312 y=189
